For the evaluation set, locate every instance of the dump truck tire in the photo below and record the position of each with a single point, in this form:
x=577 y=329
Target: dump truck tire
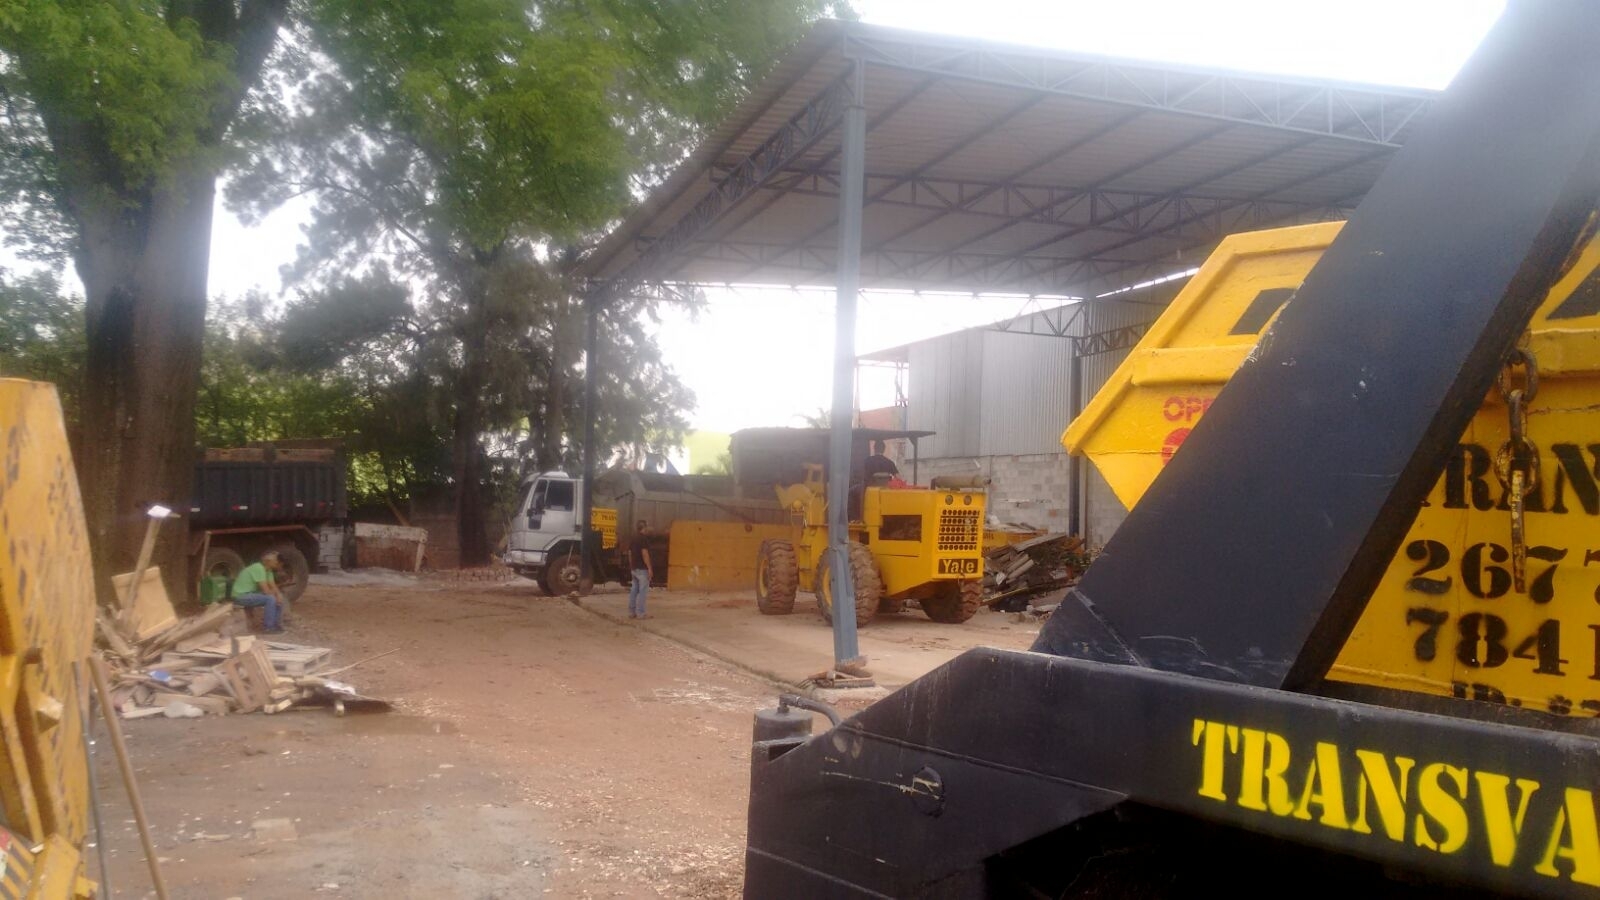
x=565 y=575
x=955 y=605
x=296 y=571
x=223 y=561
x=777 y=578
x=869 y=586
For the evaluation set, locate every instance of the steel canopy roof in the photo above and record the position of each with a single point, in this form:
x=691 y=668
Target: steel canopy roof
x=1003 y=168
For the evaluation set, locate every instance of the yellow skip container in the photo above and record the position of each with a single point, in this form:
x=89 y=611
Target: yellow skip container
x=1447 y=617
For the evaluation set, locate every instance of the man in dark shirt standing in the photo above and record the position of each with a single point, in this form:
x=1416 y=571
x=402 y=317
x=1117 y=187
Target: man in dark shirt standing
x=643 y=571
x=878 y=464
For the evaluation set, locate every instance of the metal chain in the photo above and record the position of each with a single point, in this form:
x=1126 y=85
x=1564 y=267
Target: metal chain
x=1516 y=463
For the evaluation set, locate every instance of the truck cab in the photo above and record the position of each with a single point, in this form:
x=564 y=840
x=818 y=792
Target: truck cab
x=544 y=527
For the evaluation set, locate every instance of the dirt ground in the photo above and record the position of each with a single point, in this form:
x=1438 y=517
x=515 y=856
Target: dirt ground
x=535 y=749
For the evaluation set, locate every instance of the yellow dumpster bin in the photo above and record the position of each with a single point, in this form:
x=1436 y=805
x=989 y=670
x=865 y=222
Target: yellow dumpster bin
x=1447 y=617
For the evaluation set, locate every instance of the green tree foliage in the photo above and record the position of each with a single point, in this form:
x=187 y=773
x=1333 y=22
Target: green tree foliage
x=463 y=142
x=477 y=151
x=41 y=336
x=116 y=117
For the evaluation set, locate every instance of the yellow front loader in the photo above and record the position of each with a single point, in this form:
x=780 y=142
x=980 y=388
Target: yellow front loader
x=923 y=544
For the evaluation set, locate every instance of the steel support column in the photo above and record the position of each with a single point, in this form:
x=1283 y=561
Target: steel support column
x=846 y=651
x=1075 y=506
x=591 y=343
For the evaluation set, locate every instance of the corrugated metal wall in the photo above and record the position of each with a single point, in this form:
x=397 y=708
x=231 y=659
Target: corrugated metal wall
x=989 y=394
x=992 y=393
x=945 y=384
x=1027 y=396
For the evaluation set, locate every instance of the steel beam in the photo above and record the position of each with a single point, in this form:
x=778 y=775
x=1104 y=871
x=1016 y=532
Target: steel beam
x=1121 y=212
x=983 y=271
x=790 y=142
x=960 y=144
x=1378 y=116
x=1109 y=341
x=846 y=652
x=592 y=302
x=825 y=163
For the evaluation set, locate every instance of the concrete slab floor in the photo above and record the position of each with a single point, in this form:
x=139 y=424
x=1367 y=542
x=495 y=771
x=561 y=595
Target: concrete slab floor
x=789 y=649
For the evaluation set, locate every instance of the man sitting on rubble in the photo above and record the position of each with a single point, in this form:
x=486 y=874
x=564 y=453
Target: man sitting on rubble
x=256 y=586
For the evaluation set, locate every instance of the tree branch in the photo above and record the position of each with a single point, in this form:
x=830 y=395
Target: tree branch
x=255 y=33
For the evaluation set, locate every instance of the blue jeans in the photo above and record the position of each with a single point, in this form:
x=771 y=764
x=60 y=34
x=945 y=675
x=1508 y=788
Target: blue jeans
x=636 y=594
x=272 y=617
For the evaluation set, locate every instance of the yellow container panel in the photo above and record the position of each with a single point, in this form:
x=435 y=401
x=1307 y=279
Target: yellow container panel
x=604 y=520
x=717 y=556
x=1446 y=618
x=46 y=603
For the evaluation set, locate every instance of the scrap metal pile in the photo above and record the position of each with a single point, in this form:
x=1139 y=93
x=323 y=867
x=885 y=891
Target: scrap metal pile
x=1016 y=574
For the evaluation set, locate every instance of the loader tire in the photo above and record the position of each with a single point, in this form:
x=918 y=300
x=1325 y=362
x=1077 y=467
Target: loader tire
x=869 y=586
x=777 y=578
x=954 y=604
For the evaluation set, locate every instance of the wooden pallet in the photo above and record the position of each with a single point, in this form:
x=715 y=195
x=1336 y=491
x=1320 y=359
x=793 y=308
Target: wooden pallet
x=297 y=659
x=249 y=678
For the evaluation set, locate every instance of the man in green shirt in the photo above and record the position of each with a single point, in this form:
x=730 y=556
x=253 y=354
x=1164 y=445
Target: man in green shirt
x=255 y=586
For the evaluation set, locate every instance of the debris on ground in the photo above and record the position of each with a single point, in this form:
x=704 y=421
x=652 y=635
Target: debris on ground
x=495 y=572
x=1017 y=574
x=204 y=666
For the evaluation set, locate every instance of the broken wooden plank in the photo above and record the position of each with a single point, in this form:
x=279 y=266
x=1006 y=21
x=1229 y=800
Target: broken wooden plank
x=151 y=612
x=215 y=706
x=204 y=683
x=113 y=637
x=209 y=620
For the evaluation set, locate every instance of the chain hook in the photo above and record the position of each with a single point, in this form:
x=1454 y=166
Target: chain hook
x=1516 y=463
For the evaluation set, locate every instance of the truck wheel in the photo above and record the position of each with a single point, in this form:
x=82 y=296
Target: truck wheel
x=869 y=587
x=293 y=579
x=955 y=604
x=777 y=578
x=565 y=575
x=224 y=562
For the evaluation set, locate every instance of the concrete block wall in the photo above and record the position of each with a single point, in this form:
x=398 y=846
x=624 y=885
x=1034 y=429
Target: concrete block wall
x=1031 y=490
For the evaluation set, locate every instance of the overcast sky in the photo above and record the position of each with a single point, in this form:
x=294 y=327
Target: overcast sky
x=761 y=357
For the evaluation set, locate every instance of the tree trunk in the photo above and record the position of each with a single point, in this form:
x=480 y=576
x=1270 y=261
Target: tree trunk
x=471 y=530
x=144 y=271
x=565 y=342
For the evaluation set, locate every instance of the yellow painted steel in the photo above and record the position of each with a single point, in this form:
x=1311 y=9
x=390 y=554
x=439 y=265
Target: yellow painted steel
x=922 y=540
x=1445 y=618
x=46 y=631
x=604 y=520
x=716 y=556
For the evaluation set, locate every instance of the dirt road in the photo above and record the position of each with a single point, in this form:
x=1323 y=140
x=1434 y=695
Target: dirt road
x=535 y=749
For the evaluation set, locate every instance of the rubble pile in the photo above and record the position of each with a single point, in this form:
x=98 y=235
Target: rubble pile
x=1016 y=575
x=202 y=665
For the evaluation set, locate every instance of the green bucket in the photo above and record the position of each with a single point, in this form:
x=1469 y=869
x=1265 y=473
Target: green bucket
x=213 y=589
